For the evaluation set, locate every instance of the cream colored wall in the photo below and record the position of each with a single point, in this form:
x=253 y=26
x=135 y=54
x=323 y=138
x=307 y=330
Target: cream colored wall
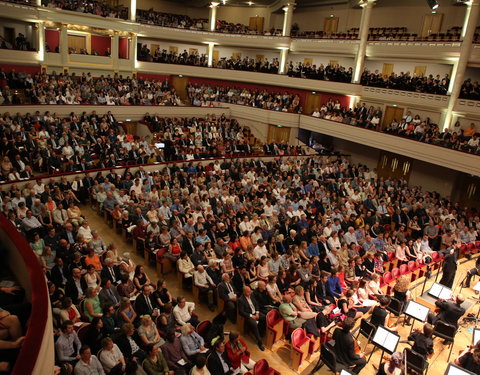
x=313 y=18
x=359 y=153
x=433 y=177
x=434 y=116
x=242 y=14
x=251 y=53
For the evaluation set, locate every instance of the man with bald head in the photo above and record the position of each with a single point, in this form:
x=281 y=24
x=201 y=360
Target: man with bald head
x=206 y=286
x=249 y=309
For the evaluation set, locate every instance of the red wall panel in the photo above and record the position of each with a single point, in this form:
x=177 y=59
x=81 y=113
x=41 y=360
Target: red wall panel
x=100 y=44
x=29 y=69
x=52 y=38
x=123 y=48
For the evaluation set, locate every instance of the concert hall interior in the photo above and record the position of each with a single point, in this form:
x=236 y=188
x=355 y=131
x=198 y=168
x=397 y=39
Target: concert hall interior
x=239 y=187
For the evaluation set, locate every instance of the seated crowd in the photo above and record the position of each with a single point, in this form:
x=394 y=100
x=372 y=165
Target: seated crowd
x=207 y=96
x=470 y=90
x=61 y=88
x=303 y=234
x=407 y=82
x=40 y=144
x=196 y=59
x=21 y=43
x=408 y=126
x=327 y=73
x=181 y=21
x=413 y=127
x=300 y=70
x=98 y=8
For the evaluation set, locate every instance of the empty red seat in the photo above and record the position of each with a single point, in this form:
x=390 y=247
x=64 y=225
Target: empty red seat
x=404 y=269
x=275 y=324
x=396 y=273
x=204 y=327
x=390 y=255
x=412 y=266
x=301 y=346
x=435 y=256
x=263 y=368
x=387 y=278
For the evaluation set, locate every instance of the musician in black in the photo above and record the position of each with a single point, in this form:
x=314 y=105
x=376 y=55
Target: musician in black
x=449 y=269
x=380 y=315
x=345 y=347
x=450 y=312
x=472 y=272
x=423 y=343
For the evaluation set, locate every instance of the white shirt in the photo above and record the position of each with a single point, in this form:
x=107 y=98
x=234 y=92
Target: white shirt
x=182 y=315
x=109 y=358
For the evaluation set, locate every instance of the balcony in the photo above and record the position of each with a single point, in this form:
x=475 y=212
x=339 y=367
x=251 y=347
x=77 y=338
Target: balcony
x=471 y=107
x=201 y=36
x=445 y=157
x=258 y=120
x=437 y=51
x=14 y=56
x=237 y=76
x=418 y=99
x=347 y=47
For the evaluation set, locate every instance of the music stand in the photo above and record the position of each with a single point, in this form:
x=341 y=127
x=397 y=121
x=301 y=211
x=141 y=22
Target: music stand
x=475 y=336
x=385 y=340
x=440 y=291
x=453 y=369
x=417 y=311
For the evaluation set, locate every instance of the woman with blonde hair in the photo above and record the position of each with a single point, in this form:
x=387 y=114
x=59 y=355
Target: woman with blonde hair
x=401 y=292
x=304 y=309
x=148 y=332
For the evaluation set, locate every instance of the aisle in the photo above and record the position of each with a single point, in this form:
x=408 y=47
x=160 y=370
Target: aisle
x=280 y=358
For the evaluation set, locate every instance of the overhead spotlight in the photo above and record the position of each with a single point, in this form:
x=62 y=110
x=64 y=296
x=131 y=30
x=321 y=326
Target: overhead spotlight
x=433 y=4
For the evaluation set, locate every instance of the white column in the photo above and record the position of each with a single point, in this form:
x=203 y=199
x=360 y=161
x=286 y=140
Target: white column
x=114 y=50
x=282 y=69
x=210 y=54
x=212 y=16
x=287 y=19
x=132 y=52
x=458 y=71
x=41 y=40
x=64 y=44
x=38 y=3
x=132 y=10
x=363 y=33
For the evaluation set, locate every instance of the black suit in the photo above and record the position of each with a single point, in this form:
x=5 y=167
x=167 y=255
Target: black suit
x=124 y=346
x=56 y=275
x=72 y=291
x=245 y=310
x=451 y=313
x=230 y=306
x=106 y=273
x=345 y=351
x=142 y=307
x=215 y=366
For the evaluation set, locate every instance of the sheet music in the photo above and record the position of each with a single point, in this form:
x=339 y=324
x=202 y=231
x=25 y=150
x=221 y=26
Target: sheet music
x=435 y=290
x=386 y=339
x=417 y=311
x=445 y=294
x=345 y=372
x=456 y=370
x=476 y=336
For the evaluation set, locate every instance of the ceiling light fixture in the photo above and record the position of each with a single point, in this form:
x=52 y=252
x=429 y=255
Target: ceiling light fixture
x=250 y=3
x=433 y=4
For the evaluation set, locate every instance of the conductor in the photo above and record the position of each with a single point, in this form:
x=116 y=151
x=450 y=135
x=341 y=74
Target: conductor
x=449 y=269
